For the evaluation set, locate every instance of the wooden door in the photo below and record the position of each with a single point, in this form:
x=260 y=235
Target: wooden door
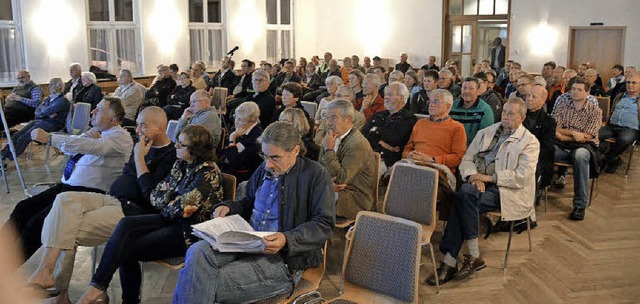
x=602 y=45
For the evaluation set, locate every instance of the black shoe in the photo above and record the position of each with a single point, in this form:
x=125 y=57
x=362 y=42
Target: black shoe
x=611 y=168
x=469 y=266
x=560 y=182
x=577 y=214
x=445 y=274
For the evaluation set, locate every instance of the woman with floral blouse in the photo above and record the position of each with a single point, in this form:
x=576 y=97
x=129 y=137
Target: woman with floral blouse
x=185 y=197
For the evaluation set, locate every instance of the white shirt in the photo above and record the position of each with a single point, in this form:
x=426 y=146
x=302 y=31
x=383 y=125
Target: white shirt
x=339 y=140
x=103 y=160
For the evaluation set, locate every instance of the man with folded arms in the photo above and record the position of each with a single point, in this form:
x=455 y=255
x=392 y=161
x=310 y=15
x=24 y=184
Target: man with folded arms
x=289 y=195
x=499 y=173
x=88 y=219
x=98 y=157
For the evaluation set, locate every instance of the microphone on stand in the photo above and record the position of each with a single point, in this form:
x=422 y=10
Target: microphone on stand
x=233 y=50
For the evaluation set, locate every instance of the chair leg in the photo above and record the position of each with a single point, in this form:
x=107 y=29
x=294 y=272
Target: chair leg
x=632 y=148
x=546 y=198
x=435 y=268
x=506 y=256
x=529 y=232
x=593 y=183
x=344 y=255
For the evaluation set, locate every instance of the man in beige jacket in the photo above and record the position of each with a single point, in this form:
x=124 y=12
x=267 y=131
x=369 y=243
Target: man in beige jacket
x=499 y=169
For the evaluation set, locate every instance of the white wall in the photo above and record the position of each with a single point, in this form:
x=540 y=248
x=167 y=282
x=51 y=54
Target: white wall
x=369 y=28
x=559 y=16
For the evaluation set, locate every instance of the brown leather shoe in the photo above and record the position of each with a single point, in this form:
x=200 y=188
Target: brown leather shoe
x=445 y=274
x=469 y=266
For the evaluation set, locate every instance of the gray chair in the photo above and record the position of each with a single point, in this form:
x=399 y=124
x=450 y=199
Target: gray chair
x=412 y=195
x=172 y=130
x=310 y=107
x=80 y=120
x=383 y=260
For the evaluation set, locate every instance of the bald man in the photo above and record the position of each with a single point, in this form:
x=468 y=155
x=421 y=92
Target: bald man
x=88 y=219
x=591 y=76
x=543 y=126
x=200 y=112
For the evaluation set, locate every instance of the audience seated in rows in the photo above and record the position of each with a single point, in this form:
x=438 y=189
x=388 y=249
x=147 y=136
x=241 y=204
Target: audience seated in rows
x=577 y=141
x=471 y=110
x=187 y=196
x=178 y=100
x=348 y=158
x=98 y=157
x=388 y=131
x=288 y=195
x=200 y=112
x=498 y=171
x=50 y=116
x=89 y=219
x=240 y=156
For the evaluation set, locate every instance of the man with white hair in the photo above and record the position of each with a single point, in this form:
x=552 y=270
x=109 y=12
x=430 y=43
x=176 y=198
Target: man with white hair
x=372 y=102
x=200 y=112
x=348 y=157
x=132 y=95
x=262 y=97
x=591 y=76
x=388 y=131
x=72 y=86
x=403 y=66
x=499 y=174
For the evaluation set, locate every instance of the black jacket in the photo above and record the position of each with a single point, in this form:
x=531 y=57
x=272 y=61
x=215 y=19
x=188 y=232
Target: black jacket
x=161 y=90
x=395 y=130
x=180 y=96
x=91 y=94
x=227 y=81
x=418 y=103
x=267 y=104
x=543 y=127
x=306 y=211
x=247 y=88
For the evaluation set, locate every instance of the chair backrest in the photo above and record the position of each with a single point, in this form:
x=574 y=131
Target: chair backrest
x=228 y=187
x=223 y=135
x=383 y=245
x=172 y=129
x=412 y=193
x=310 y=107
x=604 y=104
x=81 y=116
x=219 y=99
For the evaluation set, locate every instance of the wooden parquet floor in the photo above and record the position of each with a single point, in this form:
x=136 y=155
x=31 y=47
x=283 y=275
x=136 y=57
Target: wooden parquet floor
x=593 y=261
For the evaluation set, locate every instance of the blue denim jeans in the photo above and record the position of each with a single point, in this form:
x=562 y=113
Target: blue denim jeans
x=210 y=276
x=137 y=238
x=580 y=161
x=624 y=138
x=463 y=222
x=22 y=138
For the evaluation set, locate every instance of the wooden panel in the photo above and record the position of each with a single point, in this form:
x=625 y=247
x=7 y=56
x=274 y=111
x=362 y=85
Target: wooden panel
x=603 y=46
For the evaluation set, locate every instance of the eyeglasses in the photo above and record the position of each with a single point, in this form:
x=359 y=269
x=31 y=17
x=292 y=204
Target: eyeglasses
x=273 y=158
x=180 y=145
x=632 y=82
x=21 y=77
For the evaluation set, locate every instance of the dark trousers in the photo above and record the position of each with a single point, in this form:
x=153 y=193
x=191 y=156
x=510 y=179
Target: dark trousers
x=15 y=116
x=463 y=220
x=138 y=238
x=624 y=138
x=28 y=216
x=22 y=138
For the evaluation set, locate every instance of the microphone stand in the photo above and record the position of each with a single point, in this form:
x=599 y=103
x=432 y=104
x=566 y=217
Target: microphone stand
x=11 y=148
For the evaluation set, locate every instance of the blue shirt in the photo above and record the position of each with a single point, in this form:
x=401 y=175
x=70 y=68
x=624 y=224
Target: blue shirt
x=626 y=113
x=265 y=208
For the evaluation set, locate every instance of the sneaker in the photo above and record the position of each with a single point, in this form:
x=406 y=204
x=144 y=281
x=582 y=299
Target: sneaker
x=577 y=214
x=559 y=182
x=469 y=266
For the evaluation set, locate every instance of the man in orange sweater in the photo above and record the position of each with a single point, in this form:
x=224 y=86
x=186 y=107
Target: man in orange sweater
x=437 y=139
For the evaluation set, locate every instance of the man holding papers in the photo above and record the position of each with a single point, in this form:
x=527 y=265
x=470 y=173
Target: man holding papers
x=288 y=194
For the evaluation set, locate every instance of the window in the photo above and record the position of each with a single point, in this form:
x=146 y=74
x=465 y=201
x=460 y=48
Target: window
x=206 y=31
x=114 y=39
x=11 y=47
x=478 y=7
x=279 y=30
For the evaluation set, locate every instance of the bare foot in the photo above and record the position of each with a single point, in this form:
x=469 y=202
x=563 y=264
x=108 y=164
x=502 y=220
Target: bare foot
x=42 y=279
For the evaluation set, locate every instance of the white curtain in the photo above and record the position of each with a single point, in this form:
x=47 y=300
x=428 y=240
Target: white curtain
x=11 y=53
x=215 y=45
x=285 y=44
x=272 y=46
x=127 y=50
x=197 y=40
x=99 y=42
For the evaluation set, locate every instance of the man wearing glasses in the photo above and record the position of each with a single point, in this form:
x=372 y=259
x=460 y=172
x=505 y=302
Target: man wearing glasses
x=200 y=112
x=445 y=81
x=622 y=125
x=21 y=104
